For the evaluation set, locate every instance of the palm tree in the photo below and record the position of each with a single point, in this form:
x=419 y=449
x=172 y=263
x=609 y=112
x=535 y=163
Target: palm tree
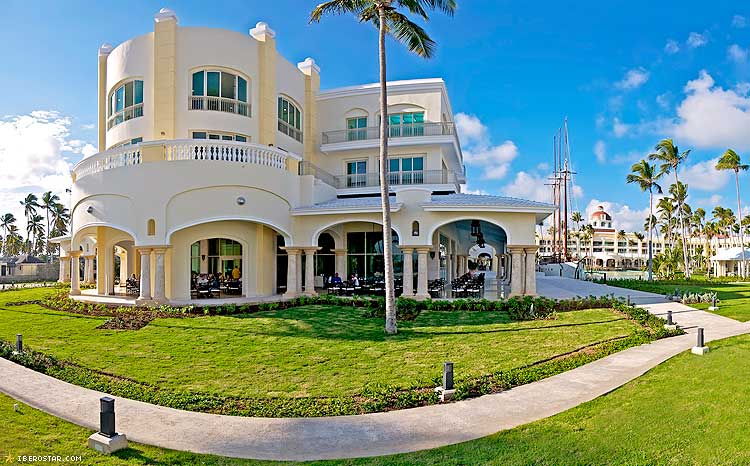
x=671 y=157
x=30 y=204
x=646 y=176
x=666 y=213
x=585 y=236
x=578 y=218
x=6 y=221
x=48 y=202
x=35 y=230
x=385 y=16
x=589 y=232
x=60 y=218
x=729 y=160
x=13 y=241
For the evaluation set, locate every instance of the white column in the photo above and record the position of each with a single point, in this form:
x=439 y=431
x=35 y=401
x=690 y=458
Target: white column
x=61 y=277
x=340 y=262
x=292 y=255
x=145 y=274
x=517 y=266
x=75 y=275
x=530 y=270
x=408 y=277
x=159 y=275
x=422 y=273
x=310 y=271
x=86 y=269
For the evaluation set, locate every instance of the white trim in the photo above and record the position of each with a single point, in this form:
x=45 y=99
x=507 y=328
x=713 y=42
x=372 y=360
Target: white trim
x=202 y=221
x=392 y=142
x=398 y=188
x=395 y=207
x=428 y=207
x=407 y=85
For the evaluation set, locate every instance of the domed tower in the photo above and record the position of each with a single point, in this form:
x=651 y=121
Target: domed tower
x=601 y=220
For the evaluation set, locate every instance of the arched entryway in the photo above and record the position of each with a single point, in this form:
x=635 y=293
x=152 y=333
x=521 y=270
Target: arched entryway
x=215 y=268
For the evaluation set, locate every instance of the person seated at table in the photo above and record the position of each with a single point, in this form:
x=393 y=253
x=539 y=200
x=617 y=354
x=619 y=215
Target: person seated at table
x=202 y=280
x=336 y=280
x=236 y=273
x=215 y=282
x=355 y=279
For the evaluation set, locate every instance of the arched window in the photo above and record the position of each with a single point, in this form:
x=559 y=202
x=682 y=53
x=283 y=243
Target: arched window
x=151 y=227
x=125 y=102
x=290 y=119
x=415 y=228
x=220 y=91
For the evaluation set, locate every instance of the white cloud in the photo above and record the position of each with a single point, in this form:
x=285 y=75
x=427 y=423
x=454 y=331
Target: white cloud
x=619 y=128
x=534 y=186
x=633 y=79
x=713 y=117
x=494 y=160
x=663 y=100
x=600 y=150
x=696 y=40
x=467 y=190
x=739 y=21
x=88 y=126
x=672 y=47
x=624 y=217
x=32 y=147
x=737 y=54
x=708 y=203
x=703 y=176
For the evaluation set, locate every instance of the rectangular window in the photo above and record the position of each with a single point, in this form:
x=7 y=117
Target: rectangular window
x=120 y=99
x=227 y=85
x=199 y=135
x=227 y=138
x=212 y=87
x=241 y=89
x=356 y=174
x=129 y=94
x=213 y=136
x=357 y=128
x=239 y=138
x=138 y=91
x=394 y=165
x=198 y=80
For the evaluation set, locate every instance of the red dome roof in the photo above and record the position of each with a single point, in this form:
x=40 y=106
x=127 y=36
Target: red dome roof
x=600 y=214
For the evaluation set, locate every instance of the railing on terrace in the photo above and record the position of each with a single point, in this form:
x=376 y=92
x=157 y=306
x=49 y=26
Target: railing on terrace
x=219 y=104
x=113 y=158
x=224 y=151
x=129 y=113
x=394 y=131
x=185 y=149
x=367 y=180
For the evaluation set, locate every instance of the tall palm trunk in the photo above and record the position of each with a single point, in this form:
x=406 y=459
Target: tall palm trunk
x=685 y=258
x=650 y=234
x=390 y=292
x=739 y=221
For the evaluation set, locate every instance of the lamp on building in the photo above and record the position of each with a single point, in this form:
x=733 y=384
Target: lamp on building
x=203 y=257
x=476 y=229
x=480 y=239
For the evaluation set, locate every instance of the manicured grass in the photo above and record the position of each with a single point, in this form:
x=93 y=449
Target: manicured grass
x=734 y=296
x=688 y=411
x=305 y=351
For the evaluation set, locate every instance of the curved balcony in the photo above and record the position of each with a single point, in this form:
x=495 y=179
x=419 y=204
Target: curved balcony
x=209 y=151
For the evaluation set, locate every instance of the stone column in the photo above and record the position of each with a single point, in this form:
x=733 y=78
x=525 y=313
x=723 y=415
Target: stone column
x=75 y=275
x=310 y=271
x=517 y=269
x=422 y=273
x=340 y=262
x=408 y=276
x=86 y=269
x=61 y=276
x=292 y=257
x=159 y=275
x=530 y=270
x=145 y=285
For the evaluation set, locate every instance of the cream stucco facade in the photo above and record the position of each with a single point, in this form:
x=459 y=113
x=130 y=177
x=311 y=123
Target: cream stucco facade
x=208 y=134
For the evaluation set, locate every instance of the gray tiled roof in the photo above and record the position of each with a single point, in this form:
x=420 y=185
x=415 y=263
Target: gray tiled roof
x=483 y=200
x=352 y=203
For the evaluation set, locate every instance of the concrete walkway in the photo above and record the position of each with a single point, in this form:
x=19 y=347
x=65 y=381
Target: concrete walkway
x=382 y=433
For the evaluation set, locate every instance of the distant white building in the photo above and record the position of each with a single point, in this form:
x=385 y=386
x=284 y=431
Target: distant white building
x=727 y=262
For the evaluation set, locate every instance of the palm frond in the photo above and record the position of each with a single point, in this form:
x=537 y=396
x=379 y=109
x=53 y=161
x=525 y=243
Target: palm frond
x=338 y=7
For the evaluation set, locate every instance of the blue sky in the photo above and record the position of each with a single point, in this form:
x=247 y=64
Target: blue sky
x=625 y=73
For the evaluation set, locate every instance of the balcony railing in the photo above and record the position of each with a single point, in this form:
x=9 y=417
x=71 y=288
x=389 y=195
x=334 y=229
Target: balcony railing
x=225 y=151
x=134 y=111
x=367 y=180
x=113 y=158
x=289 y=130
x=394 y=131
x=185 y=149
x=219 y=104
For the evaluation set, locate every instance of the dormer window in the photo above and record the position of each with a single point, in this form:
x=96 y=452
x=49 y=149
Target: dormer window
x=125 y=103
x=290 y=119
x=219 y=91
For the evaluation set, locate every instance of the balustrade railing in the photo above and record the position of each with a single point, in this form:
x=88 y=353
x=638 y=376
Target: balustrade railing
x=113 y=158
x=186 y=149
x=219 y=104
x=394 y=131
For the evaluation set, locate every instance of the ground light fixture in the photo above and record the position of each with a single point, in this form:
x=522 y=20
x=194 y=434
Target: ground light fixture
x=107 y=440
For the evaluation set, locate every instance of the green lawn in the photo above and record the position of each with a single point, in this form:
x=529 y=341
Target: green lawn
x=688 y=411
x=305 y=351
x=734 y=297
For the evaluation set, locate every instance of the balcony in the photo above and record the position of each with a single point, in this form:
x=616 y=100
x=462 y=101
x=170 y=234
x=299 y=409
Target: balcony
x=219 y=104
x=207 y=151
x=134 y=111
x=372 y=180
x=427 y=129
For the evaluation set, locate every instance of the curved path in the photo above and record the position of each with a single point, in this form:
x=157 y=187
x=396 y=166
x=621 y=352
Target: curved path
x=382 y=433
